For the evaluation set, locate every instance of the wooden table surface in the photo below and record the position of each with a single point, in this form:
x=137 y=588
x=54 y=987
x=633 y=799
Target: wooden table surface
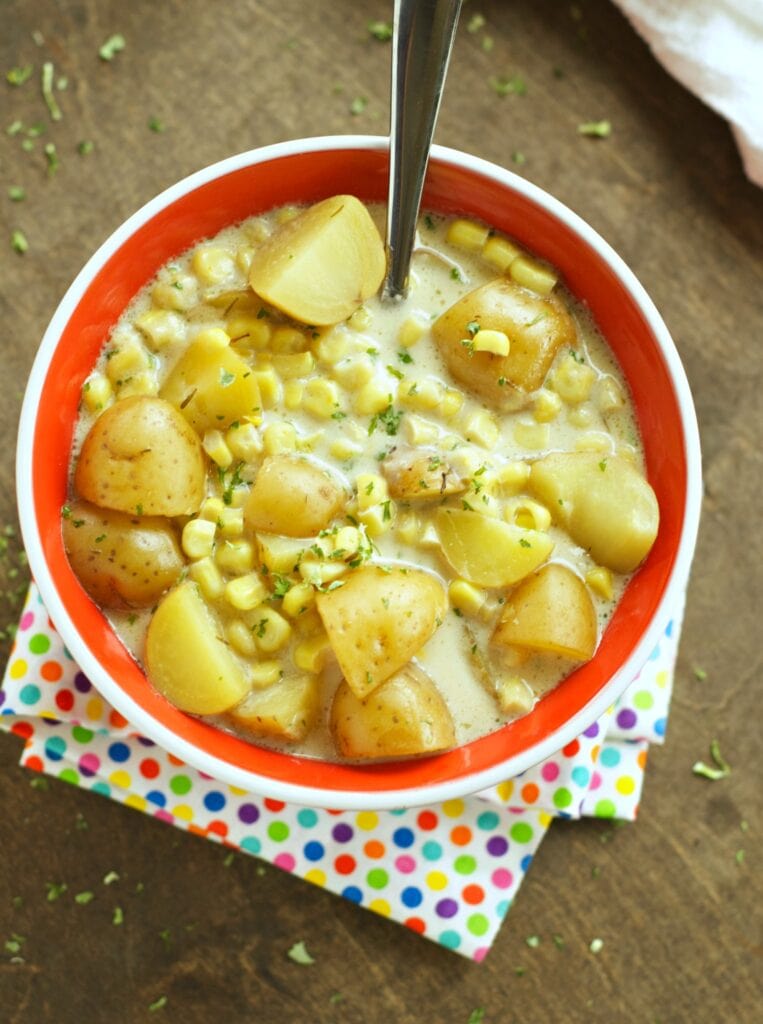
x=676 y=903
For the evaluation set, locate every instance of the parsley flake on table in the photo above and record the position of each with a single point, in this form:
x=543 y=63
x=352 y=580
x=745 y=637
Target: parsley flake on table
x=46 y=83
x=596 y=946
x=19 y=242
x=113 y=45
x=719 y=770
x=502 y=85
x=51 y=155
x=85 y=147
x=55 y=890
x=158 y=1004
x=17 y=76
x=16 y=194
x=475 y=23
x=118 y=916
x=298 y=953
x=380 y=30
x=110 y=877
x=83 y=898
x=155 y=125
x=533 y=941
x=595 y=129
x=477 y=1015
x=699 y=674
x=358 y=105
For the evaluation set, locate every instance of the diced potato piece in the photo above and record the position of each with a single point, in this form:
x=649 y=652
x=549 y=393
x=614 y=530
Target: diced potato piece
x=604 y=503
x=286 y=710
x=550 y=612
x=122 y=561
x=379 y=619
x=140 y=456
x=420 y=474
x=210 y=384
x=536 y=327
x=293 y=496
x=186 y=660
x=320 y=266
x=280 y=554
x=487 y=551
x=403 y=716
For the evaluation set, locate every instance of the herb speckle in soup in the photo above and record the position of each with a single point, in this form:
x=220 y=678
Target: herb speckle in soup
x=350 y=528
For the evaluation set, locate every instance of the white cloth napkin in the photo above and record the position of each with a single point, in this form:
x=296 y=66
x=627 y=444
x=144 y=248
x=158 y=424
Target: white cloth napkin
x=715 y=49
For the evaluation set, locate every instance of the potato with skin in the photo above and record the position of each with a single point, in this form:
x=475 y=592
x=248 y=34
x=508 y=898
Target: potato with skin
x=488 y=551
x=550 y=612
x=293 y=496
x=378 y=619
x=186 y=659
x=122 y=561
x=420 y=474
x=211 y=385
x=535 y=326
x=140 y=456
x=604 y=503
x=404 y=716
x=286 y=710
x=319 y=267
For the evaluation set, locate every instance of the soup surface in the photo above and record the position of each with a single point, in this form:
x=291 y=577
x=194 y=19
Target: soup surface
x=352 y=527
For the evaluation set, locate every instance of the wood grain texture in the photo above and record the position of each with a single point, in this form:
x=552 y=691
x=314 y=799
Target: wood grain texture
x=680 y=918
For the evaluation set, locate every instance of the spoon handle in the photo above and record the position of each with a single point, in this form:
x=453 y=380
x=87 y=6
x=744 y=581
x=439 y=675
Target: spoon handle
x=422 y=42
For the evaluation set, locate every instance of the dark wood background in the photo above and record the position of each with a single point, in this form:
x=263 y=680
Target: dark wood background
x=678 y=908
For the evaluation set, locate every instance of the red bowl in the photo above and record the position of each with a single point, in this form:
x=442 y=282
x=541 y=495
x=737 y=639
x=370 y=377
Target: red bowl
x=305 y=171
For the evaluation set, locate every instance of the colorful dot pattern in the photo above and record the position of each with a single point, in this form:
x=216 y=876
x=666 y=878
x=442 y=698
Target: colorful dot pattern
x=448 y=872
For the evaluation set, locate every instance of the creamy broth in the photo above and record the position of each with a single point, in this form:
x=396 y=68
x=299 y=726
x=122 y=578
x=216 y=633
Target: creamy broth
x=382 y=349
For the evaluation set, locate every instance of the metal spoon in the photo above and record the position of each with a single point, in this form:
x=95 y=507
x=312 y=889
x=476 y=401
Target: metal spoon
x=422 y=42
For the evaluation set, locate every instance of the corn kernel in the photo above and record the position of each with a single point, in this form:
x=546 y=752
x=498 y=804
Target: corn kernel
x=547 y=406
x=297 y=599
x=627 y=451
x=293 y=364
x=344 y=449
x=466 y=461
x=514 y=696
x=211 y=509
x=407 y=527
x=528 y=514
x=206 y=574
x=246 y=592
x=161 y=327
x=321 y=397
x=353 y=371
x=270 y=629
x=235 y=557
x=269 y=386
x=412 y=330
x=244 y=441
x=581 y=416
x=318 y=573
x=377 y=519
x=608 y=395
x=292 y=394
x=593 y=441
x=96 y=392
x=467 y=234
x=244 y=258
x=481 y=428
x=533 y=275
x=212 y=265
x=231 y=522
x=451 y=404
x=142 y=383
x=279 y=437
x=467 y=598
x=372 y=488
x=426 y=393
x=257 y=230
x=239 y=636
x=238 y=497
x=309 y=442
x=288 y=340
x=313 y=653
x=265 y=673
x=500 y=252
x=491 y=341
x=248 y=333
x=573 y=380
x=419 y=431
x=198 y=538
x=180 y=293
x=286 y=213
x=309 y=623
x=214 y=445
x=125 y=358
x=333 y=345
x=371 y=398
x=534 y=436
x=213 y=339
x=511 y=477
x=360 y=319
x=484 y=503
x=600 y=582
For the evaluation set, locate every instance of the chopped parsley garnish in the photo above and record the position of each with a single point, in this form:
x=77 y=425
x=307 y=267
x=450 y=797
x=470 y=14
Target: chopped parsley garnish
x=603 y=465
x=260 y=628
x=475 y=23
x=455 y=273
x=281 y=585
x=113 y=45
x=386 y=513
x=533 y=941
x=51 y=155
x=339 y=415
x=405 y=357
x=595 y=129
x=699 y=674
x=596 y=946
x=118 y=916
x=389 y=420
x=518 y=158
x=473 y=327
x=395 y=372
x=226 y=378
x=576 y=357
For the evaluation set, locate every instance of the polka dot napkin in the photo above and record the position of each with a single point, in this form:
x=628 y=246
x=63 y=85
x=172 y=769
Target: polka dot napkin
x=448 y=872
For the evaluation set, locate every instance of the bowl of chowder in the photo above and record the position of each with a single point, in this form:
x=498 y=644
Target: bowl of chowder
x=344 y=551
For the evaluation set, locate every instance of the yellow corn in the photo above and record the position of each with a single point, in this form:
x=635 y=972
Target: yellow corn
x=412 y=330
x=608 y=395
x=309 y=442
x=212 y=265
x=96 y=392
x=500 y=252
x=419 y=431
x=547 y=406
x=467 y=234
x=360 y=319
x=344 y=449
x=481 y=428
x=332 y=345
x=377 y=519
x=269 y=386
x=573 y=380
x=321 y=397
x=600 y=581
x=142 y=383
x=239 y=636
x=244 y=258
x=371 y=398
x=372 y=488
x=161 y=327
x=581 y=416
x=533 y=275
x=491 y=341
x=407 y=527
x=212 y=509
x=244 y=440
x=248 y=333
x=311 y=654
x=270 y=629
x=206 y=574
x=246 y=592
x=179 y=293
x=265 y=673
x=314 y=571
x=426 y=393
x=125 y=358
x=214 y=445
x=297 y=599
x=354 y=371
x=231 y=521
x=528 y=514
x=288 y=340
x=235 y=557
x=514 y=696
x=198 y=538
x=451 y=404
x=465 y=597
x=534 y=436
x=278 y=438
x=212 y=340
x=593 y=441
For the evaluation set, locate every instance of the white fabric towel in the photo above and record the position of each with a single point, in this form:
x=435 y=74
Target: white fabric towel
x=715 y=49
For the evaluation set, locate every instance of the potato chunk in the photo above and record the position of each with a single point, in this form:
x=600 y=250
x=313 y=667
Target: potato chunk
x=122 y=561
x=186 y=659
x=141 y=456
x=293 y=496
x=286 y=710
x=604 y=503
x=212 y=385
x=535 y=326
x=319 y=267
x=487 y=551
x=405 y=715
x=420 y=474
x=379 y=619
x=551 y=612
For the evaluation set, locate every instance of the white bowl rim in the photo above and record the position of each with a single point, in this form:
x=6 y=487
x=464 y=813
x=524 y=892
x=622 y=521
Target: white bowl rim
x=306 y=795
